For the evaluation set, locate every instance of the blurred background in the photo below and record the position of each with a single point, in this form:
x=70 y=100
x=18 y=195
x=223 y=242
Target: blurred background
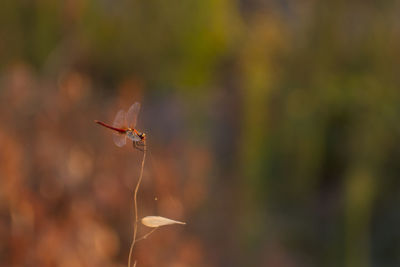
x=272 y=131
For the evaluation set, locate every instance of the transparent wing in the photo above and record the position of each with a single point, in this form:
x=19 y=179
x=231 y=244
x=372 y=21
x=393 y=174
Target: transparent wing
x=119 y=139
x=119 y=122
x=132 y=114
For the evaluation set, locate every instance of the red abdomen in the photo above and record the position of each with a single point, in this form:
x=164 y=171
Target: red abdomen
x=110 y=127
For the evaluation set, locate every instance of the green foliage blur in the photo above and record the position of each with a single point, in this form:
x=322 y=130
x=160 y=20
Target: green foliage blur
x=272 y=126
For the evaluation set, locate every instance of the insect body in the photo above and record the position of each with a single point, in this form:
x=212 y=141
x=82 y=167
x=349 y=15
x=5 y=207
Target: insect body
x=124 y=128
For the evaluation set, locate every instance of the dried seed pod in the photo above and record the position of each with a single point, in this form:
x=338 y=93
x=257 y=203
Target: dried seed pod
x=157 y=221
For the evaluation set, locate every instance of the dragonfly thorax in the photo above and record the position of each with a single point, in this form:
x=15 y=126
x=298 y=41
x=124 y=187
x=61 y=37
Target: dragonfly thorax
x=135 y=135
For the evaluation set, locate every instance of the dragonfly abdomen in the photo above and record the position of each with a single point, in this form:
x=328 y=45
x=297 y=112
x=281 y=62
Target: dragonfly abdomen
x=110 y=127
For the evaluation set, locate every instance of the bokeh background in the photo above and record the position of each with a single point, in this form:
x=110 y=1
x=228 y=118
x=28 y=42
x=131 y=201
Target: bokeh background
x=273 y=131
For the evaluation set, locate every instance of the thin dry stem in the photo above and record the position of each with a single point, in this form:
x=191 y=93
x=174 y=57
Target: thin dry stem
x=146 y=235
x=135 y=225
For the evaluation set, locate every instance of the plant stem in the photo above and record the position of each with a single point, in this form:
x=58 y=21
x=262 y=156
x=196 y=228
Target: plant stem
x=146 y=235
x=135 y=225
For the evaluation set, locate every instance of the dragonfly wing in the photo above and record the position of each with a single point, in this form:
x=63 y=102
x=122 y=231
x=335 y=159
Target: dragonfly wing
x=132 y=114
x=119 y=122
x=119 y=139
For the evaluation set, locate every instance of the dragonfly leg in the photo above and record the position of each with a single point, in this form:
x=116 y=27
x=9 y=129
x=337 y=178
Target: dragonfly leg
x=139 y=146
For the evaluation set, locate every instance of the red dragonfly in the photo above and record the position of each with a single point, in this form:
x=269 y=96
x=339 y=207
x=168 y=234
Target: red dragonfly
x=124 y=127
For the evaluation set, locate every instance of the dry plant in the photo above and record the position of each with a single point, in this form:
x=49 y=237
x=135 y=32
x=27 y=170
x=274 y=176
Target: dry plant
x=122 y=133
x=150 y=221
x=135 y=223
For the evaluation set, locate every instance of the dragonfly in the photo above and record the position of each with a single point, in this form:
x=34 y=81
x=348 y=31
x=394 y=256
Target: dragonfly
x=124 y=128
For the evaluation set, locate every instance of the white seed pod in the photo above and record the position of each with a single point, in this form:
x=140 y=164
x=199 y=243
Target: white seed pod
x=157 y=221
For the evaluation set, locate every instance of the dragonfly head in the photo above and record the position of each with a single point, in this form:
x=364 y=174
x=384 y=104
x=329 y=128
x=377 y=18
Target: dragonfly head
x=142 y=136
